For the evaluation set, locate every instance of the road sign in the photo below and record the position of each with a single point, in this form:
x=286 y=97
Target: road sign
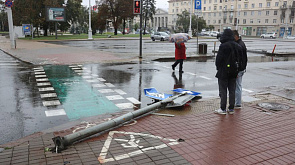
x=8 y=3
x=198 y=4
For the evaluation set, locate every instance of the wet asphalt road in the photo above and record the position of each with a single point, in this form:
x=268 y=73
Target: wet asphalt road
x=23 y=111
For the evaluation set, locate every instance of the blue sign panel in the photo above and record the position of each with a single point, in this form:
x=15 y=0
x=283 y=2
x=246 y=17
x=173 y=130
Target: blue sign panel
x=154 y=94
x=198 y=4
x=180 y=90
x=27 y=29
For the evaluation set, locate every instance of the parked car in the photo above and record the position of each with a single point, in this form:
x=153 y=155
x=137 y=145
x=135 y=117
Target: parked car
x=214 y=33
x=290 y=37
x=205 y=33
x=162 y=36
x=269 y=35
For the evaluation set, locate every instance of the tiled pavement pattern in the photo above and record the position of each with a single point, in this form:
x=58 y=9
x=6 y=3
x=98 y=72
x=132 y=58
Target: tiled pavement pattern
x=252 y=135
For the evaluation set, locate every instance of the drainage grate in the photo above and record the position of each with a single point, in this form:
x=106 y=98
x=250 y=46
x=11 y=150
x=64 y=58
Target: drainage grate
x=274 y=106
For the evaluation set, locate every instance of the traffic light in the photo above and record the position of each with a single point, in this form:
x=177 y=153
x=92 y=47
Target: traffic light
x=136 y=7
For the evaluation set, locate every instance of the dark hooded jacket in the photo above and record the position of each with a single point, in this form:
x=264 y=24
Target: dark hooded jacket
x=227 y=46
x=244 y=56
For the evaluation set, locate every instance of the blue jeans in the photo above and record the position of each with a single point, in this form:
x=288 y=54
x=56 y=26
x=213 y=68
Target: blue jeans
x=239 y=88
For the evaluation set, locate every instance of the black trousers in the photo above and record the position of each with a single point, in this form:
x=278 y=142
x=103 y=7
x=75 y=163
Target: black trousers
x=224 y=85
x=180 y=62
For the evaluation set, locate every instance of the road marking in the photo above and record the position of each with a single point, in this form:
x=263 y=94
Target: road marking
x=86 y=77
x=98 y=85
x=120 y=91
x=132 y=143
x=247 y=90
x=115 y=97
x=40 y=76
x=46 y=89
x=73 y=66
x=191 y=73
x=39 y=73
x=94 y=75
x=133 y=100
x=92 y=81
x=38 y=68
x=58 y=112
x=51 y=103
x=125 y=105
x=106 y=90
x=48 y=95
x=42 y=79
x=78 y=71
x=109 y=85
x=101 y=79
x=43 y=84
x=207 y=78
x=8 y=64
x=77 y=68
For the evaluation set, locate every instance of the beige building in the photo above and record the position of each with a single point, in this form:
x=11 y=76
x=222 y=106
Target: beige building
x=250 y=17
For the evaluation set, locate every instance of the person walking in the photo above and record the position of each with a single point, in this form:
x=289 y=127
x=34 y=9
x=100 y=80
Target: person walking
x=179 y=56
x=242 y=70
x=228 y=50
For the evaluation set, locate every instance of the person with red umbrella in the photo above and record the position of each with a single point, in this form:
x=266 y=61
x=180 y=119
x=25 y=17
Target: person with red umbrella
x=180 y=49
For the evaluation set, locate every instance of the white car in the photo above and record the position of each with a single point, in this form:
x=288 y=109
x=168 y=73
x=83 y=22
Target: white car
x=162 y=36
x=213 y=33
x=290 y=37
x=269 y=35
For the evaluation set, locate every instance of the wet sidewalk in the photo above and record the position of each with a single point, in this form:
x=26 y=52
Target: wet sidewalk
x=253 y=135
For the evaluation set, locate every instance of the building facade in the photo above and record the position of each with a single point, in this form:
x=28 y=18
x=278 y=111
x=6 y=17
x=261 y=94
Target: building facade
x=249 y=17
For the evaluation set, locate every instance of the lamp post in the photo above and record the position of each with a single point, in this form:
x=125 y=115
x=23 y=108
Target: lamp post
x=89 y=30
x=190 y=19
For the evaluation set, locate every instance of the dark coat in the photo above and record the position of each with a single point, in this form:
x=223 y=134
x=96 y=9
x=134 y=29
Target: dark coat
x=244 y=55
x=180 y=51
x=227 y=46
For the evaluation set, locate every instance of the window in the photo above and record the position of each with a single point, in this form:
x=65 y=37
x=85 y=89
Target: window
x=291 y=20
x=208 y=21
x=239 y=6
x=275 y=12
x=266 y=20
x=215 y=1
x=214 y=14
x=209 y=8
x=230 y=20
x=232 y=7
x=220 y=1
x=267 y=12
x=244 y=21
x=285 y=4
x=268 y=4
x=253 y=5
x=239 y=13
x=224 y=20
x=209 y=14
x=204 y=1
x=245 y=13
x=172 y=10
x=214 y=21
x=277 y=4
x=258 y=20
x=210 y=1
x=173 y=4
x=204 y=8
x=274 y=21
x=246 y=6
x=220 y=7
x=219 y=14
x=259 y=12
x=260 y=5
x=282 y=21
x=215 y=7
x=176 y=10
x=252 y=12
x=225 y=7
x=251 y=20
x=219 y=21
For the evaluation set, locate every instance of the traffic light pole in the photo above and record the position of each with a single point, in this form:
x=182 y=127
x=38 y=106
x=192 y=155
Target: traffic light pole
x=140 y=33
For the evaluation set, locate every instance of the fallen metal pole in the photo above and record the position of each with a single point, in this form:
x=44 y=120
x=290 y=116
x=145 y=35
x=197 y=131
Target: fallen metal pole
x=62 y=142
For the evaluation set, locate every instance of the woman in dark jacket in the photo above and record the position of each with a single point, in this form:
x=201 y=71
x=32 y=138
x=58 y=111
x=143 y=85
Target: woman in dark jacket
x=179 y=56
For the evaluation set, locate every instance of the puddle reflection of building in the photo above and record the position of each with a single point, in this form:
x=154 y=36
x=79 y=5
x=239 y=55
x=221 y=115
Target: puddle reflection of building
x=177 y=81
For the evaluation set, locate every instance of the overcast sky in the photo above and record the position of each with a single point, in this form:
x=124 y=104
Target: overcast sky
x=159 y=3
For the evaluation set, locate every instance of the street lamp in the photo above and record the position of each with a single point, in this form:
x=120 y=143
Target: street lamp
x=89 y=30
x=190 y=19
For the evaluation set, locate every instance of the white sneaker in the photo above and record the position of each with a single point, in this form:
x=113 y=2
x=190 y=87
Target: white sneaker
x=220 y=111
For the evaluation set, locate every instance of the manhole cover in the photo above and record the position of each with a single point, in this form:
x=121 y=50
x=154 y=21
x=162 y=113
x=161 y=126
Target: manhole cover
x=274 y=106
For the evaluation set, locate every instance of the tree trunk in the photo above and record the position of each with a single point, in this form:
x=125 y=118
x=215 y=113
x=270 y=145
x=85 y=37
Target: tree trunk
x=124 y=24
